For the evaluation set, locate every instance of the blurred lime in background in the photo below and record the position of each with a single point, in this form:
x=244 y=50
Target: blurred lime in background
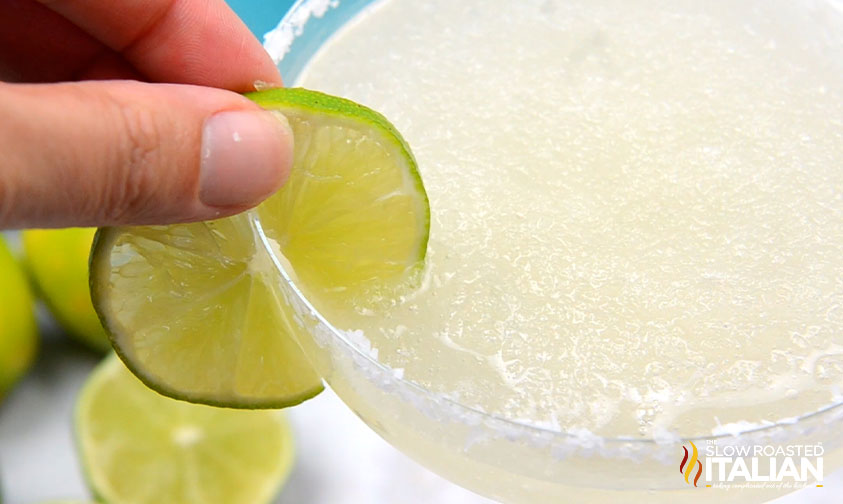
x=18 y=328
x=57 y=260
x=139 y=447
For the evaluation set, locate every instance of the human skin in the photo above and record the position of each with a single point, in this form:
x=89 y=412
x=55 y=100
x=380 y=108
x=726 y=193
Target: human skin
x=130 y=113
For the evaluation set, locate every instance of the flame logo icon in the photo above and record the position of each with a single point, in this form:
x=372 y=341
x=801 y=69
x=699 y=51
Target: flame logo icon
x=687 y=466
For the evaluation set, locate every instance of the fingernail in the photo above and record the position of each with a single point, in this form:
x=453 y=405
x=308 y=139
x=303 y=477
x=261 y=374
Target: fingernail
x=245 y=157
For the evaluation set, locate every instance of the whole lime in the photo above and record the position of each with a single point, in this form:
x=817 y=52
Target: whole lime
x=18 y=328
x=58 y=262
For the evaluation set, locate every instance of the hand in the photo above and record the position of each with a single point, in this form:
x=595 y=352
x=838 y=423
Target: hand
x=105 y=152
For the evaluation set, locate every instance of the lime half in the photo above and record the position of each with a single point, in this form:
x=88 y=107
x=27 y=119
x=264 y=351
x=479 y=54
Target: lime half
x=139 y=447
x=196 y=311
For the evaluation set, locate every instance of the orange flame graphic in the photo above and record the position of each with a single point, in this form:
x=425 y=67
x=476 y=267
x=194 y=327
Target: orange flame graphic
x=688 y=468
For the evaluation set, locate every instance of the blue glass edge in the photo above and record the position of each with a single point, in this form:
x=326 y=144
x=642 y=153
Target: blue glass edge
x=316 y=32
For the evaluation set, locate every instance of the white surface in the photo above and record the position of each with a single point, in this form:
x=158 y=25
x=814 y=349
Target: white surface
x=340 y=461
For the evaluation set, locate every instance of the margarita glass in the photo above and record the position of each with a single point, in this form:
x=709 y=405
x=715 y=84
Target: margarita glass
x=528 y=455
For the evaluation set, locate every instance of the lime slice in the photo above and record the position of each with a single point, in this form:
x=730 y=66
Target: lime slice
x=18 y=329
x=196 y=311
x=139 y=447
x=57 y=260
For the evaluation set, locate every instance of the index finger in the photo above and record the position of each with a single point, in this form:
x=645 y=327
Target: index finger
x=181 y=41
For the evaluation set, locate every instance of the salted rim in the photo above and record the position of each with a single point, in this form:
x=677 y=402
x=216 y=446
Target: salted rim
x=278 y=42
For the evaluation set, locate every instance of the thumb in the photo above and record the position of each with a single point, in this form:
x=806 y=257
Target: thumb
x=120 y=152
